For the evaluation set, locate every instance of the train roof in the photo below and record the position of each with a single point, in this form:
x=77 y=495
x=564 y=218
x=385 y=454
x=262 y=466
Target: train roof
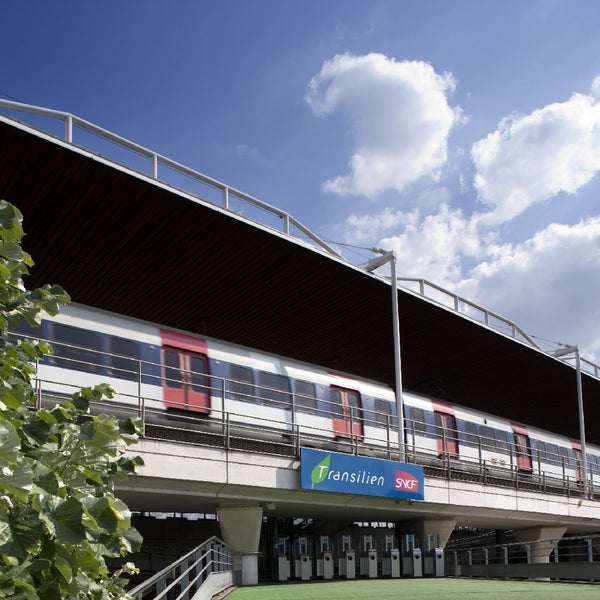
x=119 y=240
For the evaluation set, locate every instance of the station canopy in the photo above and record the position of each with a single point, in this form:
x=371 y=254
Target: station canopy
x=121 y=241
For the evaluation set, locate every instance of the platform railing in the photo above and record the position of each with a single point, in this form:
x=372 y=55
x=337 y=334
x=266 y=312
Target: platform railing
x=248 y=432
x=565 y=559
x=207 y=568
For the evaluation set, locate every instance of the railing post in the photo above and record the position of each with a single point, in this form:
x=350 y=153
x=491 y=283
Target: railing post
x=296 y=439
x=154 y=166
x=225 y=197
x=69 y=128
x=141 y=404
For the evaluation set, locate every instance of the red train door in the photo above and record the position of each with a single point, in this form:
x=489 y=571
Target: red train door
x=185 y=380
x=346 y=412
x=445 y=425
x=522 y=448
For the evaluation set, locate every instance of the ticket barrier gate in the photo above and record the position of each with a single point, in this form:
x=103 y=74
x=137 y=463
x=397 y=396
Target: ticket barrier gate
x=368 y=562
x=325 y=563
x=303 y=564
x=304 y=567
x=368 y=565
x=347 y=565
x=283 y=561
x=390 y=565
x=347 y=560
x=412 y=564
x=433 y=563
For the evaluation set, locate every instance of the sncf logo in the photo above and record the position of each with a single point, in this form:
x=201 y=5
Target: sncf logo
x=406 y=482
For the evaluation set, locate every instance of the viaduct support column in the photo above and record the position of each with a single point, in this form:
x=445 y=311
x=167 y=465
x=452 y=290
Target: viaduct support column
x=441 y=529
x=540 y=539
x=240 y=529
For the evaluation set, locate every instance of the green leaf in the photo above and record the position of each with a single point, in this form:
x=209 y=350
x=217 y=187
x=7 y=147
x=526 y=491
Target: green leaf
x=66 y=516
x=319 y=473
x=59 y=518
x=10 y=442
x=11 y=250
x=63 y=566
x=17 y=479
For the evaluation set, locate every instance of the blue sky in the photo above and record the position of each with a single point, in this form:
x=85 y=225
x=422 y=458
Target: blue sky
x=465 y=135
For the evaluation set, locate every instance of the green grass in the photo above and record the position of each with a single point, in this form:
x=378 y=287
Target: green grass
x=419 y=589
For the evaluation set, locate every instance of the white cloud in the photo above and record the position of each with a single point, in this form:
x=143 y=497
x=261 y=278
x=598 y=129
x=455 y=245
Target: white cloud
x=400 y=115
x=429 y=246
x=531 y=158
x=544 y=284
x=369 y=228
x=247 y=151
x=551 y=283
x=361 y=229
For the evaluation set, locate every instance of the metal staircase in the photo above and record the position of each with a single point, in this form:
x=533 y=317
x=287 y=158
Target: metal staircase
x=198 y=575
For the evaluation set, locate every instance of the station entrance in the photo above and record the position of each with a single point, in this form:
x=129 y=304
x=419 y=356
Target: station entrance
x=305 y=549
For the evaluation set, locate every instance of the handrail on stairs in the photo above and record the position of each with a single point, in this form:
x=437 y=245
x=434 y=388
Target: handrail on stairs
x=182 y=579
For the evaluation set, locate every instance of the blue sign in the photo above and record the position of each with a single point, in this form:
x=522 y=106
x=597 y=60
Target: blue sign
x=348 y=474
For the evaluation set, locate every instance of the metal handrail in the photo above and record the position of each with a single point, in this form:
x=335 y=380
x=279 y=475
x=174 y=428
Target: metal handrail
x=483 y=316
x=469 y=309
x=183 y=578
x=516 y=559
x=71 y=121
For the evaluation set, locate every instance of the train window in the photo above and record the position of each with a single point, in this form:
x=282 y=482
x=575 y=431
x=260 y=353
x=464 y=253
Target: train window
x=274 y=389
x=383 y=413
x=502 y=441
x=353 y=404
x=124 y=358
x=471 y=434
x=552 y=456
x=172 y=373
x=306 y=396
x=488 y=439
x=417 y=416
x=25 y=329
x=541 y=450
x=241 y=385
x=198 y=368
x=336 y=404
x=76 y=348
x=564 y=456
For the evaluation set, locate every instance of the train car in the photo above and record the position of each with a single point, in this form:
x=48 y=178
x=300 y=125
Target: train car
x=159 y=369
x=169 y=374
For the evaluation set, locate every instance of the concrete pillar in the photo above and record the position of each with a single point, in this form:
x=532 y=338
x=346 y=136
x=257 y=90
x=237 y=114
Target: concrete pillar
x=541 y=540
x=422 y=528
x=240 y=529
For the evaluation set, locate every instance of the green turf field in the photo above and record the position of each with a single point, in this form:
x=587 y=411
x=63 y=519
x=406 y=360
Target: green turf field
x=420 y=589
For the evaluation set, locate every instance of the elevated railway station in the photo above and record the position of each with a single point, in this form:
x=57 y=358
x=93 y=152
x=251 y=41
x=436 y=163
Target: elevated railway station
x=199 y=279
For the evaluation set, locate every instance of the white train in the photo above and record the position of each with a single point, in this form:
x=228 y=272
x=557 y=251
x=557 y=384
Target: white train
x=170 y=374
